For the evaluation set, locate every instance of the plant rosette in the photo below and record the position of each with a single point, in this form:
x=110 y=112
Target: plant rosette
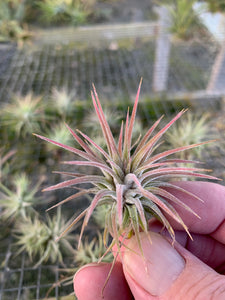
x=133 y=178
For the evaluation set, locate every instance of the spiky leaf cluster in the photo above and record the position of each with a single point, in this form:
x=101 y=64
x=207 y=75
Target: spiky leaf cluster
x=90 y=252
x=39 y=239
x=23 y=114
x=18 y=200
x=133 y=176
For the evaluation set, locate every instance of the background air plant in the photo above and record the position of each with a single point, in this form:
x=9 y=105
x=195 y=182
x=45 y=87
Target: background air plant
x=91 y=251
x=132 y=180
x=189 y=130
x=59 y=133
x=23 y=114
x=62 y=101
x=39 y=239
x=88 y=252
x=18 y=200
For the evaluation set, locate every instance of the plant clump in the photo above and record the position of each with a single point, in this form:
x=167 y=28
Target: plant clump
x=23 y=114
x=62 y=101
x=133 y=177
x=18 y=200
x=92 y=251
x=39 y=239
x=191 y=129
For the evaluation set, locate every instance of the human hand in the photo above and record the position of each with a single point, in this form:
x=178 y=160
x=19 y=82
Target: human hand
x=187 y=270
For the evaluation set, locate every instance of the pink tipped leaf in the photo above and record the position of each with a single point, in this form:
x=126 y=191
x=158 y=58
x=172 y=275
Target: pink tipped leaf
x=79 y=180
x=120 y=142
x=109 y=159
x=172 y=170
x=165 y=194
x=175 y=150
x=133 y=115
x=72 y=197
x=144 y=151
x=81 y=142
x=113 y=151
x=71 y=149
x=98 y=165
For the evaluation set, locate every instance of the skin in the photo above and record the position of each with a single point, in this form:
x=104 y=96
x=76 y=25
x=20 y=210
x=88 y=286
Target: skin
x=200 y=269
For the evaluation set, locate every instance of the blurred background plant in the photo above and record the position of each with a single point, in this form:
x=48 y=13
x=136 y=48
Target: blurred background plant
x=74 y=12
x=59 y=133
x=17 y=200
x=191 y=129
x=40 y=239
x=23 y=114
x=91 y=251
x=184 y=20
x=62 y=103
x=12 y=21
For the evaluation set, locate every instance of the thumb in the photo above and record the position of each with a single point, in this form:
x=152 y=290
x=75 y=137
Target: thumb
x=166 y=272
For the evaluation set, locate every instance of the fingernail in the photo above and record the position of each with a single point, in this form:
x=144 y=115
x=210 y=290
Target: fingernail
x=160 y=266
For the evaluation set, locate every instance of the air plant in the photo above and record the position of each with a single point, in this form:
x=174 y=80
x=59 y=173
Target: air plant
x=91 y=251
x=190 y=129
x=18 y=200
x=88 y=252
x=59 y=133
x=38 y=238
x=133 y=177
x=23 y=114
x=62 y=101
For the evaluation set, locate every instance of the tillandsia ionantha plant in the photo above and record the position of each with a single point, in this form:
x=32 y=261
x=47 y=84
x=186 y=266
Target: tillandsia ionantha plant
x=23 y=114
x=91 y=251
x=189 y=130
x=59 y=133
x=132 y=179
x=38 y=238
x=62 y=101
x=18 y=201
